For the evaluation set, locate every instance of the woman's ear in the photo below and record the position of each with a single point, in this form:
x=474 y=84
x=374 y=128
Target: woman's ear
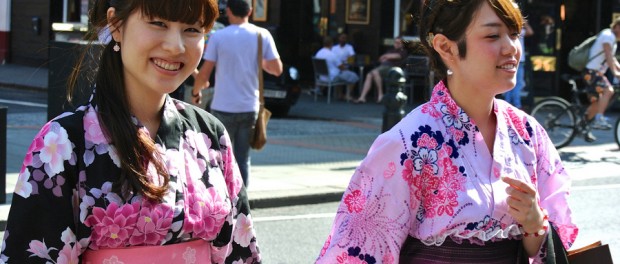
x=446 y=48
x=114 y=31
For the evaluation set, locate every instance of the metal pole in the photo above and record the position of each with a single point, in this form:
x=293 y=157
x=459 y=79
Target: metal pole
x=396 y=18
x=3 y=112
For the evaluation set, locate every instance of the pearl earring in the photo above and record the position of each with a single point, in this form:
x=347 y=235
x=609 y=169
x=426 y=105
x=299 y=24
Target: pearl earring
x=449 y=72
x=116 y=47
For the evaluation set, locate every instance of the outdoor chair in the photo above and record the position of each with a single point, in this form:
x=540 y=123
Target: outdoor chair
x=320 y=69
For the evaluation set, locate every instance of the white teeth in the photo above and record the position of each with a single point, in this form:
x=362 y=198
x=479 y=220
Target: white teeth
x=506 y=67
x=166 y=65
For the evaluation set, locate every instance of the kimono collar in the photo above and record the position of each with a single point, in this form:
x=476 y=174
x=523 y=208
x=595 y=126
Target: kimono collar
x=170 y=130
x=441 y=105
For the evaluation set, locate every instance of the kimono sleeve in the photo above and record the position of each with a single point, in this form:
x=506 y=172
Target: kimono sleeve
x=553 y=183
x=40 y=226
x=236 y=242
x=374 y=216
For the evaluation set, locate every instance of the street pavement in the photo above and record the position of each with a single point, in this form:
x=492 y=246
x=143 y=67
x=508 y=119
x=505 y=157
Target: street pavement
x=310 y=155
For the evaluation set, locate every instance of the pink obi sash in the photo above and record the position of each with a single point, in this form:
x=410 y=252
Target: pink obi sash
x=195 y=251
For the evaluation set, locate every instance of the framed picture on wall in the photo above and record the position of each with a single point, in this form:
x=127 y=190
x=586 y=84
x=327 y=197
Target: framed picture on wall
x=259 y=12
x=358 y=12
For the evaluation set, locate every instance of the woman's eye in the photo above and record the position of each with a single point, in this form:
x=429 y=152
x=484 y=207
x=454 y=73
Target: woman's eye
x=157 y=23
x=493 y=36
x=194 y=30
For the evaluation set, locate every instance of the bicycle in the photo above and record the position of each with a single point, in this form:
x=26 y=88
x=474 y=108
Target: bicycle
x=563 y=120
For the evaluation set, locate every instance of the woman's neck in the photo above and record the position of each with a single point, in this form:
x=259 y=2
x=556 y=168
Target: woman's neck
x=147 y=109
x=479 y=107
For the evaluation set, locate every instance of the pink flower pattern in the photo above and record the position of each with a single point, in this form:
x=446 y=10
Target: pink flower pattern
x=113 y=225
x=355 y=201
x=78 y=170
x=449 y=186
x=152 y=224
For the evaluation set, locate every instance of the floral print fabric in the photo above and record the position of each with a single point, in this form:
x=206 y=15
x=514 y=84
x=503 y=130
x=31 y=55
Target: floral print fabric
x=432 y=177
x=64 y=202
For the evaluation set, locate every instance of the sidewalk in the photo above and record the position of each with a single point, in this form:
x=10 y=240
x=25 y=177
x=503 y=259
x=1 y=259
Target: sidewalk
x=299 y=167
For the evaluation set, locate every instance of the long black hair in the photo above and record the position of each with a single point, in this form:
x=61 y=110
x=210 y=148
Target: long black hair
x=135 y=150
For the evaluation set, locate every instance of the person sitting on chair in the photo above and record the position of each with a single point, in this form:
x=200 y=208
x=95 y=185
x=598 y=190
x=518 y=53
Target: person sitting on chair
x=393 y=57
x=343 y=50
x=337 y=70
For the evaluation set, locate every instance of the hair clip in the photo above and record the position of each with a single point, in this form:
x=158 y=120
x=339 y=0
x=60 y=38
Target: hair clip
x=429 y=38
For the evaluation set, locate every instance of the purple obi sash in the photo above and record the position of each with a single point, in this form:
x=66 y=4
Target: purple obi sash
x=505 y=251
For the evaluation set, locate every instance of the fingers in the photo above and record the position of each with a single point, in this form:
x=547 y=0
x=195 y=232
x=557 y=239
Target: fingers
x=521 y=196
x=518 y=200
x=519 y=185
x=196 y=95
x=522 y=202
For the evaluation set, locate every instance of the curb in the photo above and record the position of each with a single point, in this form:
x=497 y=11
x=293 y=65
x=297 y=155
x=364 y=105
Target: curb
x=23 y=86
x=293 y=200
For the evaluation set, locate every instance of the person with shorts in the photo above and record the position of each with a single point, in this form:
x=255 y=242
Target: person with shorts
x=599 y=88
x=393 y=57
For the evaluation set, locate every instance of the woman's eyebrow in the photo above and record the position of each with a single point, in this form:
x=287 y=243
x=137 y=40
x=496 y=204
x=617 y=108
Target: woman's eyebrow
x=493 y=24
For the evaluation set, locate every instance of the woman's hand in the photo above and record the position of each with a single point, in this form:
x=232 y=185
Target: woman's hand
x=523 y=205
x=524 y=208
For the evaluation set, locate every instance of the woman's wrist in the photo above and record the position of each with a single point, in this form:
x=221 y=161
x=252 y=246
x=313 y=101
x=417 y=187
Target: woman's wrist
x=540 y=230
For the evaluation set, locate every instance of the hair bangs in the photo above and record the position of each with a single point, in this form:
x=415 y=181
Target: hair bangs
x=508 y=11
x=185 y=11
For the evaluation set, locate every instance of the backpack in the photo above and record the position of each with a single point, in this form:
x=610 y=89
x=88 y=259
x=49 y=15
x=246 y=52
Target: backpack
x=579 y=56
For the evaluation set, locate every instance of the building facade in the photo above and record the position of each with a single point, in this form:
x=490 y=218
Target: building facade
x=298 y=27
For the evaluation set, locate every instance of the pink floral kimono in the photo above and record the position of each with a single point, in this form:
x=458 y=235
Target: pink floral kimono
x=64 y=203
x=432 y=178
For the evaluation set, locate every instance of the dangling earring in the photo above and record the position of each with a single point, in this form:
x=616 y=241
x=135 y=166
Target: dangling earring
x=116 y=47
x=449 y=72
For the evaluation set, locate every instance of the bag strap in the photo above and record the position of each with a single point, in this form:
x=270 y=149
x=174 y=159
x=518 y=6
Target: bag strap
x=590 y=59
x=556 y=253
x=259 y=57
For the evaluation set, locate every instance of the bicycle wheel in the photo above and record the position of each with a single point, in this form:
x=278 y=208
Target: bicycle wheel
x=557 y=119
x=617 y=132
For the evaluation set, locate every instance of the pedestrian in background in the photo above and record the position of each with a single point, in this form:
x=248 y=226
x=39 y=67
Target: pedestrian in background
x=233 y=52
x=514 y=96
x=394 y=57
x=465 y=177
x=134 y=176
x=338 y=70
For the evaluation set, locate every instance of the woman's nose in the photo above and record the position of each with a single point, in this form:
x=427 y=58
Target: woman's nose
x=174 y=43
x=512 y=46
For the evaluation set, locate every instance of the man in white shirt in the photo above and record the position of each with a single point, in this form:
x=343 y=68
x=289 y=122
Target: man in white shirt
x=337 y=70
x=233 y=50
x=599 y=88
x=343 y=50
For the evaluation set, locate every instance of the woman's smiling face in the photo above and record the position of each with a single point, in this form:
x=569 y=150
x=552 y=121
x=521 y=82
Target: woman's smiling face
x=493 y=52
x=157 y=54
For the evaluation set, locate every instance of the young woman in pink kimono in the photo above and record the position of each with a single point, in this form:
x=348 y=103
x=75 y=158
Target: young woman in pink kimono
x=465 y=177
x=134 y=176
